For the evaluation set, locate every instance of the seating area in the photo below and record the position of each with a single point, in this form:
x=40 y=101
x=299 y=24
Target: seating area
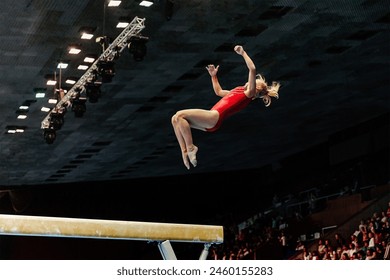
x=345 y=221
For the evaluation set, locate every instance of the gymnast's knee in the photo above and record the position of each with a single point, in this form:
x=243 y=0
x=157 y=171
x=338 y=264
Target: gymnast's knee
x=175 y=118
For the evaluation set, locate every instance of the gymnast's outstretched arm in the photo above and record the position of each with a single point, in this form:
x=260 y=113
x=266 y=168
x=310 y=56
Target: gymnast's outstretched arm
x=214 y=80
x=251 y=88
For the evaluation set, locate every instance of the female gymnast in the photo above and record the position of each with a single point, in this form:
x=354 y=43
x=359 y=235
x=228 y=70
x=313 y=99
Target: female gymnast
x=231 y=102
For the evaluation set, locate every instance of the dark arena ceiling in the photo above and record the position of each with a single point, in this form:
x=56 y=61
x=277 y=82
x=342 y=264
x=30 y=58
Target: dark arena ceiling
x=331 y=58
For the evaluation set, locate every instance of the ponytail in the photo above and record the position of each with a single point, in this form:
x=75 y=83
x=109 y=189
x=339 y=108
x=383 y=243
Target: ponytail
x=271 y=91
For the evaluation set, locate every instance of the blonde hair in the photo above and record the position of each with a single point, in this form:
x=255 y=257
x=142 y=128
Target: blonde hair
x=270 y=91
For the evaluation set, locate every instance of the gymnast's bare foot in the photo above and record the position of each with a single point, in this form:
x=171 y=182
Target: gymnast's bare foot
x=185 y=160
x=192 y=155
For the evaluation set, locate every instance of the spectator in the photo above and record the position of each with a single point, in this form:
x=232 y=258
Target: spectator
x=339 y=240
x=344 y=256
x=371 y=254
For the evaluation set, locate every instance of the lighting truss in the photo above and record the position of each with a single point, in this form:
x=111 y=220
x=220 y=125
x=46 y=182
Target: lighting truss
x=109 y=54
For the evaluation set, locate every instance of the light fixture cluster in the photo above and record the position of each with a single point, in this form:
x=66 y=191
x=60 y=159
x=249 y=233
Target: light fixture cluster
x=102 y=66
x=101 y=70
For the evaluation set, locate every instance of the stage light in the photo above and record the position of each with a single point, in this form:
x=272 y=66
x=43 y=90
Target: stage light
x=106 y=70
x=93 y=91
x=56 y=120
x=79 y=107
x=49 y=134
x=137 y=47
x=95 y=75
x=104 y=41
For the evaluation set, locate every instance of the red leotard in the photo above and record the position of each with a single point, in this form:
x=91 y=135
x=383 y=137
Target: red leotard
x=230 y=104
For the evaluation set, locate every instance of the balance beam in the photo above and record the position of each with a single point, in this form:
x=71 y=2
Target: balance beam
x=108 y=229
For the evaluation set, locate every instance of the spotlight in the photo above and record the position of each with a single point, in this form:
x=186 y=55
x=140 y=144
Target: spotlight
x=79 y=107
x=137 y=47
x=94 y=76
x=106 y=70
x=104 y=41
x=93 y=91
x=49 y=134
x=56 y=120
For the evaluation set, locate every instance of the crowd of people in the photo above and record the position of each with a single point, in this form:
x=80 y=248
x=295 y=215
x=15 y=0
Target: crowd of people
x=269 y=238
x=368 y=242
x=274 y=236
